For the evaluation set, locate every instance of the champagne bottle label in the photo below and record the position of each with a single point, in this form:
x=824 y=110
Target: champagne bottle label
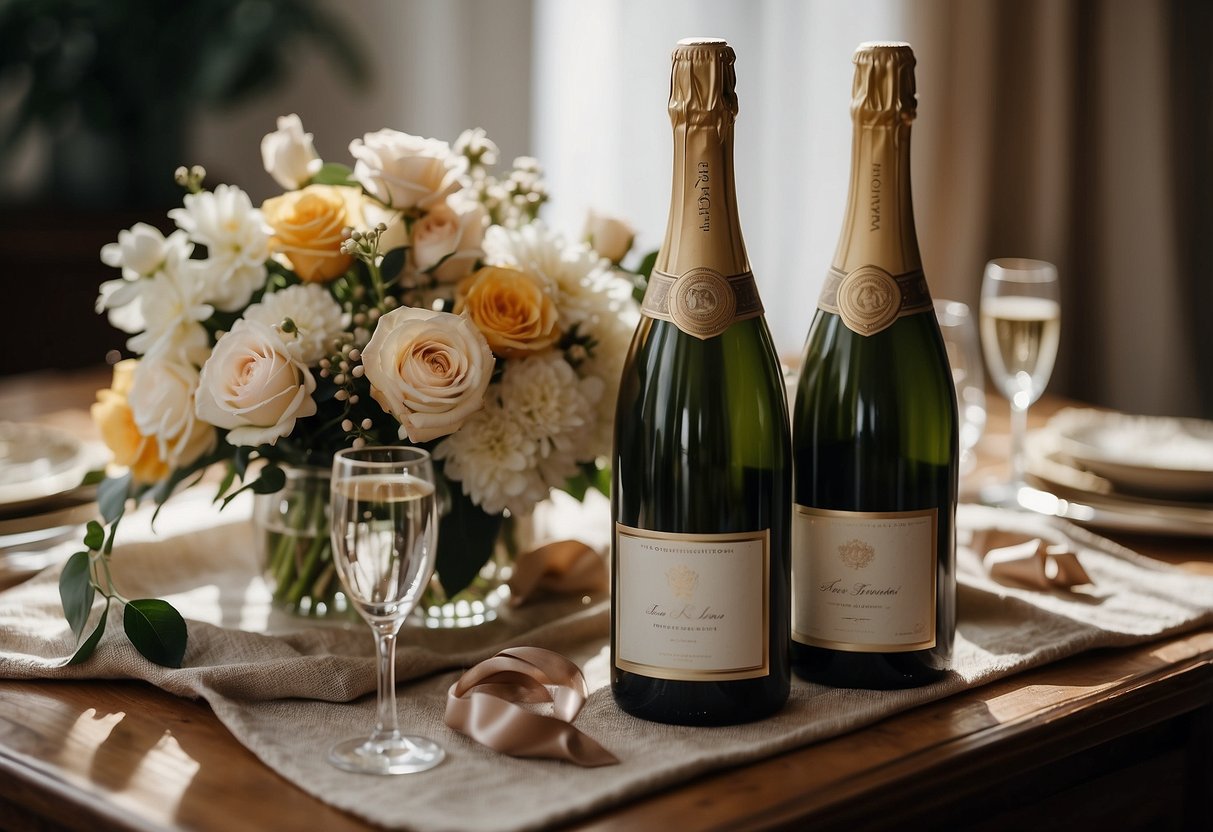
x=702 y=302
x=869 y=299
x=692 y=607
x=864 y=581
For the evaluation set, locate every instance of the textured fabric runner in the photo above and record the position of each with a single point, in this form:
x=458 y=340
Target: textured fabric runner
x=288 y=690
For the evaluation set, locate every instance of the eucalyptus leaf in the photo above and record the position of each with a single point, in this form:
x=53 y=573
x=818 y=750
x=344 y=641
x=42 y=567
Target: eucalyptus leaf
x=157 y=630
x=76 y=592
x=111 y=497
x=94 y=536
x=392 y=263
x=90 y=644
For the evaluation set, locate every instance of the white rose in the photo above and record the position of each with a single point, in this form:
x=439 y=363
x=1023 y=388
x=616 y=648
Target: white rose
x=161 y=399
x=288 y=153
x=252 y=387
x=452 y=230
x=609 y=236
x=428 y=369
x=406 y=172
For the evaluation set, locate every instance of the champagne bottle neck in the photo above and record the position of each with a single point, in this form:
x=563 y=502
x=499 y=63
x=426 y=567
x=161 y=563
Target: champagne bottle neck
x=703 y=231
x=878 y=228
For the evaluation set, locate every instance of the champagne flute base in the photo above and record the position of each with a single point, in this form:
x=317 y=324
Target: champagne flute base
x=399 y=755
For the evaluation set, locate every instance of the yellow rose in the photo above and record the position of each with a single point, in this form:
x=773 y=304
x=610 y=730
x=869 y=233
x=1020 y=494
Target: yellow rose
x=116 y=422
x=307 y=228
x=512 y=308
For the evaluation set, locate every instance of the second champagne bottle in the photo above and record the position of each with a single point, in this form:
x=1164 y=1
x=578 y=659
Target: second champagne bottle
x=702 y=482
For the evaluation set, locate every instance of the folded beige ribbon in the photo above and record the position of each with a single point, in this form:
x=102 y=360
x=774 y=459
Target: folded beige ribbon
x=565 y=566
x=1031 y=562
x=483 y=704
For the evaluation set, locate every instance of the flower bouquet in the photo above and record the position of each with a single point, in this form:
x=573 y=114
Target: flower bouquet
x=413 y=297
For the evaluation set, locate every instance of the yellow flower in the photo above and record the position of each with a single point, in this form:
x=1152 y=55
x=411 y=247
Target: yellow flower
x=512 y=308
x=116 y=423
x=307 y=228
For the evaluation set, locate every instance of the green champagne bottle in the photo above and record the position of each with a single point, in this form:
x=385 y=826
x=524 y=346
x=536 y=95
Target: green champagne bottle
x=701 y=490
x=875 y=426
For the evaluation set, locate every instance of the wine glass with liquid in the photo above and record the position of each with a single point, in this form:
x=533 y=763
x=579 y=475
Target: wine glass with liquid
x=1020 y=331
x=385 y=537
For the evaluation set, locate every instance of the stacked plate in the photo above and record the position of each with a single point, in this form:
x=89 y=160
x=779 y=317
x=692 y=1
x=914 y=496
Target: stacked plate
x=42 y=498
x=1134 y=473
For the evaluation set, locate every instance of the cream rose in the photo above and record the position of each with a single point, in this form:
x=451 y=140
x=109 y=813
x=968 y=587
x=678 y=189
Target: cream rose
x=115 y=422
x=514 y=309
x=307 y=227
x=288 y=153
x=610 y=237
x=252 y=387
x=452 y=230
x=428 y=369
x=406 y=172
x=162 y=400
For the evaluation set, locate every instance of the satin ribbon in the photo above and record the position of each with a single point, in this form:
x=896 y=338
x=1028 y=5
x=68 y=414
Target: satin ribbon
x=566 y=566
x=1032 y=562
x=484 y=705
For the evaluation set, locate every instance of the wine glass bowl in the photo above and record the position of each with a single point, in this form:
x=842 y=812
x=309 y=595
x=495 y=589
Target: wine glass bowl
x=1020 y=332
x=384 y=529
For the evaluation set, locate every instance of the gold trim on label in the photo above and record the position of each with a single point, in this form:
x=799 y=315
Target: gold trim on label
x=869 y=299
x=721 y=674
x=702 y=302
x=857 y=647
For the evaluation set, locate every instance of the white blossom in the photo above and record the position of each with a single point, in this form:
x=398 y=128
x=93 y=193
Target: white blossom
x=494 y=460
x=236 y=239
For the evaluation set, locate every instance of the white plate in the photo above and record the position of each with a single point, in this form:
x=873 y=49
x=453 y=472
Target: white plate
x=37 y=462
x=1147 y=454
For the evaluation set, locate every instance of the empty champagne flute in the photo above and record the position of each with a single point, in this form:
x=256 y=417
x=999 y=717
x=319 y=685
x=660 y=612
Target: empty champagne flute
x=1020 y=331
x=959 y=332
x=385 y=537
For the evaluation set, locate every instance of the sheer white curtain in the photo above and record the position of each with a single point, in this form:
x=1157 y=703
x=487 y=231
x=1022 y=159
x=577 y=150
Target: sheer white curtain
x=601 y=83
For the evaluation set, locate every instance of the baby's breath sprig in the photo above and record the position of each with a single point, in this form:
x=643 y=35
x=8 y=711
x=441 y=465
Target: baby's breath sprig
x=345 y=370
x=190 y=178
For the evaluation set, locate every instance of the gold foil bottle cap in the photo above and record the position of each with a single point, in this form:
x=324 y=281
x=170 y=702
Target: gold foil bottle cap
x=883 y=92
x=703 y=83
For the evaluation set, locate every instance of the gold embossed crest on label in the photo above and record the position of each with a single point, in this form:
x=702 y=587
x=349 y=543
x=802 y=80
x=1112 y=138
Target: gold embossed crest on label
x=869 y=300
x=702 y=303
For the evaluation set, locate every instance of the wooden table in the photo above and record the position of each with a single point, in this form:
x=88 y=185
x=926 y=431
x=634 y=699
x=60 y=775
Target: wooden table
x=1112 y=739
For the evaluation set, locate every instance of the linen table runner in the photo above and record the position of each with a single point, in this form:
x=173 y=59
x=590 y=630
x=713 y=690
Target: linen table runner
x=288 y=690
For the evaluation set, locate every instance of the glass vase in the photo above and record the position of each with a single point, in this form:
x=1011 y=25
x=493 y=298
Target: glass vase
x=291 y=529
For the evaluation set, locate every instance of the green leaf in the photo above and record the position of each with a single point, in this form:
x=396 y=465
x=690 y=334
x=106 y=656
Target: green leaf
x=228 y=479
x=271 y=479
x=76 y=592
x=645 y=269
x=94 y=536
x=576 y=487
x=93 y=477
x=157 y=630
x=333 y=173
x=466 y=537
x=90 y=644
x=392 y=263
x=111 y=497
x=601 y=480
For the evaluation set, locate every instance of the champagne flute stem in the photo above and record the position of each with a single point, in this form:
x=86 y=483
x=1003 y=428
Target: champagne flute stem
x=1019 y=428
x=386 y=726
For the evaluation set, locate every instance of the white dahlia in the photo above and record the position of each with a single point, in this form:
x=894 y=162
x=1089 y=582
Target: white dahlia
x=555 y=408
x=317 y=319
x=495 y=460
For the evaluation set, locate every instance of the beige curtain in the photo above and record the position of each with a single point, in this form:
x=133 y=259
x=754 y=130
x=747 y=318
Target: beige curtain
x=1079 y=132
